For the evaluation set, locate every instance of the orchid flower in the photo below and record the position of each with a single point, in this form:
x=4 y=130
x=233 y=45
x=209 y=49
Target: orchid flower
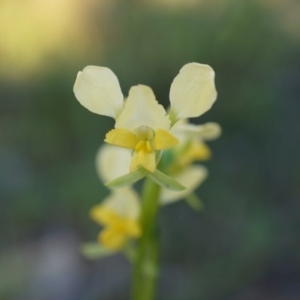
x=119 y=214
x=113 y=162
x=142 y=124
x=192 y=146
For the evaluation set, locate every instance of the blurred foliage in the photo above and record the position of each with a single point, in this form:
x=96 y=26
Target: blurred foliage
x=245 y=244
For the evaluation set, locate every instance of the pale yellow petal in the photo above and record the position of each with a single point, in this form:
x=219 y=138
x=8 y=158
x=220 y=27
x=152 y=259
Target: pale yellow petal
x=178 y=130
x=124 y=202
x=112 y=162
x=102 y=215
x=187 y=131
x=209 y=131
x=192 y=91
x=144 y=159
x=164 y=140
x=198 y=151
x=142 y=109
x=98 y=90
x=121 y=137
x=191 y=178
x=112 y=239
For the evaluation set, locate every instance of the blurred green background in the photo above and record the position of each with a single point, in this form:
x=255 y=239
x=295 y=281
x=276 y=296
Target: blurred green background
x=246 y=244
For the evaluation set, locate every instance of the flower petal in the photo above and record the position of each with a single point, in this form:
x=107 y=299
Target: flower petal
x=179 y=130
x=112 y=239
x=144 y=159
x=197 y=151
x=209 y=131
x=142 y=109
x=121 y=137
x=102 y=215
x=163 y=140
x=123 y=202
x=98 y=90
x=192 y=91
x=191 y=178
x=112 y=162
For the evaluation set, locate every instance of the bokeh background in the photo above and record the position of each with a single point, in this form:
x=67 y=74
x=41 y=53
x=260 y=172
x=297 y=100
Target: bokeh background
x=246 y=243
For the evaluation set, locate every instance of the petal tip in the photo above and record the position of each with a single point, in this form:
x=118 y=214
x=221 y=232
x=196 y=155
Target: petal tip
x=193 y=91
x=98 y=90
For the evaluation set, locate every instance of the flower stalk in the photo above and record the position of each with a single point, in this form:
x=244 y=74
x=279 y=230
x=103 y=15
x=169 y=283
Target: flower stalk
x=145 y=271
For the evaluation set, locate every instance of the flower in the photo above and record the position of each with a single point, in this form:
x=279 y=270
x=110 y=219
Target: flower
x=192 y=146
x=113 y=162
x=142 y=124
x=119 y=214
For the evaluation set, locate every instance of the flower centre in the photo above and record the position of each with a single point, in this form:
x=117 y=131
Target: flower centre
x=119 y=226
x=144 y=134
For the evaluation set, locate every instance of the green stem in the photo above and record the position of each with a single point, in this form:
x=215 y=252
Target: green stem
x=148 y=289
x=146 y=262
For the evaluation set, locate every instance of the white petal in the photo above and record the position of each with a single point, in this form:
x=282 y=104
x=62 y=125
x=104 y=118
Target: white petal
x=124 y=202
x=191 y=178
x=193 y=91
x=142 y=109
x=208 y=131
x=98 y=90
x=178 y=130
x=112 y=162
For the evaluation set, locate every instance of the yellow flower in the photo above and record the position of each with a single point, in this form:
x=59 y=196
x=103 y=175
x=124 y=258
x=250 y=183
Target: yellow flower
x=119 y=215
x=192 y=146
x=119 y=212
x=113 y=162
x=141 y=123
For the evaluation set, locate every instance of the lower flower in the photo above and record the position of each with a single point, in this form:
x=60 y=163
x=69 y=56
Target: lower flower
x=118 y=214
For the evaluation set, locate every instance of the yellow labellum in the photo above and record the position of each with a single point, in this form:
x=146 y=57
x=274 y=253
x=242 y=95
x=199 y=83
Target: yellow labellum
x=102 y=215
x=145 y=159
x=117 y=229
x=196 y=152
x=112 y=239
